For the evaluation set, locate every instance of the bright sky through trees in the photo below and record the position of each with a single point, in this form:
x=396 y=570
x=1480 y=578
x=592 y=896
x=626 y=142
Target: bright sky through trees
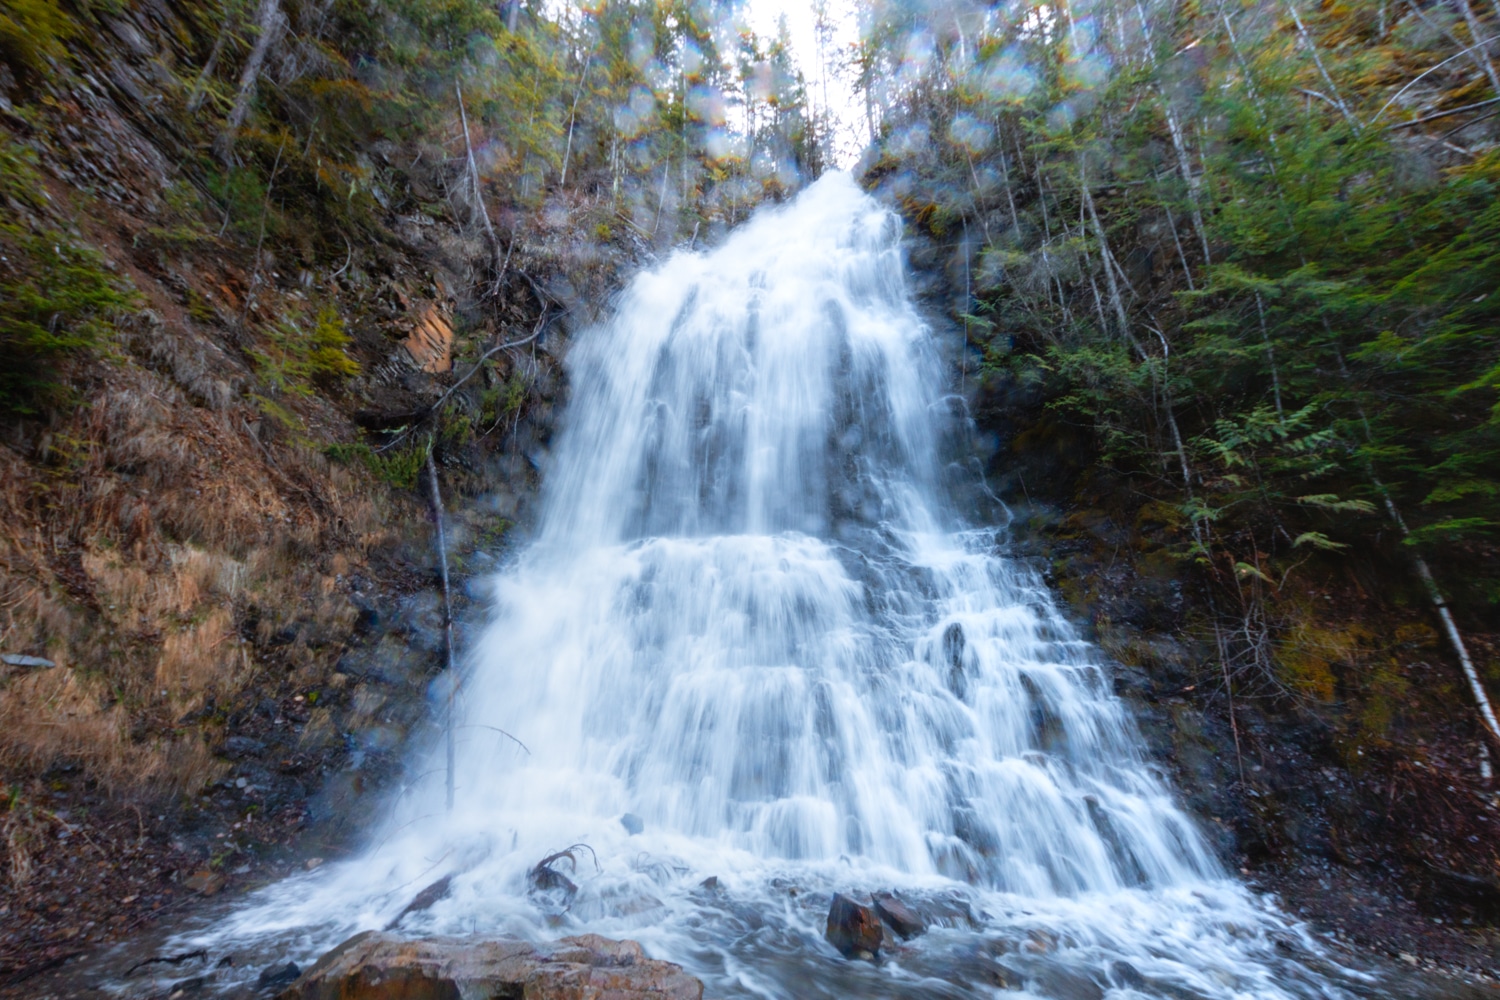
x=821 y=33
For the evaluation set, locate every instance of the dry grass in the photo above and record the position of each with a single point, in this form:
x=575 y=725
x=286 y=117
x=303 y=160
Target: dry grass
x=24 y=833
x=131 y=553
x=61 y=714
x=202 y=660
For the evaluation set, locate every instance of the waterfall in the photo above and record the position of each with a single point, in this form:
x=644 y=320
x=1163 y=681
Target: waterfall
x=752 y=624
x=750 y=620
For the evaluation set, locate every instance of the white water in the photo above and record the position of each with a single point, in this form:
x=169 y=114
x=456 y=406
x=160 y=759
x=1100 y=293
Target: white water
x=750 y=618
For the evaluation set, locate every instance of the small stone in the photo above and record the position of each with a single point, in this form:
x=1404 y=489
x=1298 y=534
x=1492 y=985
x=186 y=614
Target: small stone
x=1126 y=975
x=1039 y=942
x=632 y=823
x=16 y=660
x=711 y=883
x=204 y=882
x=312 y=863
x=852 y=928
x=243 y=746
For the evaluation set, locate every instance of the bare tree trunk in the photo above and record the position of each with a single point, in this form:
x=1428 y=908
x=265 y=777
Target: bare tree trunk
x=484 y=213
x=1185 y=165
x=1187 y=270
x=1429 y=583
x=1265 y=336
x=271 y=22
x=1472 y=50
x=1440 y=605
x=1109 y=274
x=1312 y=47
x=1478 y=41
x=572 y=120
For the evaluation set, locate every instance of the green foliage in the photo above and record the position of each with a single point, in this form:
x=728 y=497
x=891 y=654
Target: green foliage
x=1257 y=302
x=241 y=193
x=398 y=467
x=296 y=356
x=57 y=299
x=33 y=32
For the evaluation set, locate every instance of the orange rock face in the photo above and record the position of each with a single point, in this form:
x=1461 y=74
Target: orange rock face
x=431 y=343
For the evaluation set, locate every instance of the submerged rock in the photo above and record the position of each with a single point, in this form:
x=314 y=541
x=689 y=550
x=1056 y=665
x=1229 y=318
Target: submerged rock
x=852 y=928
x=632 y=823
x=423 y=900
x=278 y=975
x=905 y=921
x=380 y=966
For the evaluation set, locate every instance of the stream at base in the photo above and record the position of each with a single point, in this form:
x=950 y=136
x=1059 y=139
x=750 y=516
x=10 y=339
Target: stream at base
x=757 y=653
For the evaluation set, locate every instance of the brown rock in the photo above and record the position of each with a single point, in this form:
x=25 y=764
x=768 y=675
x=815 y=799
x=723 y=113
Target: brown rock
x=902 y=918
x=205 y=882
x=853 y=929
x=381 y=966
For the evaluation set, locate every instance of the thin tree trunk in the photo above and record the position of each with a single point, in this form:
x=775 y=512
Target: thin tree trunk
x=1109 y=275
x=1184 y=164
x=1088 y=263
x=270 y=22
x=1312 y=47
x=1440 y=605
x=1015 y=219
x=572 y=119
x=1477 y=40
x=1424 y=573
x=1187 y=271
x=484 y=213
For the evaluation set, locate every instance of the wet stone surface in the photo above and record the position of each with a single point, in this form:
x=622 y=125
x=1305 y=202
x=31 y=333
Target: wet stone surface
x=374 y=966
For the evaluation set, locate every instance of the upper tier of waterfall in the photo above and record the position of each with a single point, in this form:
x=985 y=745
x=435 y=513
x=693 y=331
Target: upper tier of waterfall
x=750 y=619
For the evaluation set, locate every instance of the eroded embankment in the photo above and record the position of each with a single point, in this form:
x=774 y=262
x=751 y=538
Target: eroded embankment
x=217 y=602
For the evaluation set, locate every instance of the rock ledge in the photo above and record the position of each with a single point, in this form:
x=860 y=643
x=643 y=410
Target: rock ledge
x=381 y=966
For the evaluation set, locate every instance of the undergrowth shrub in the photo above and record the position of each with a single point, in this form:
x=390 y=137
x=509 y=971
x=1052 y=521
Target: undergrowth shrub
x=57 y=298
x=399 y=467
x=297 y=355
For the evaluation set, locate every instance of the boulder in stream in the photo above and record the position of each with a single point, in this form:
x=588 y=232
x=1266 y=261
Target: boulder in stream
x=379 y=966
x=853 y=929
x=905 y=921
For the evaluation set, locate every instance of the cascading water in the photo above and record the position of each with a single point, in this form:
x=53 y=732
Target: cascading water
x=751 y=620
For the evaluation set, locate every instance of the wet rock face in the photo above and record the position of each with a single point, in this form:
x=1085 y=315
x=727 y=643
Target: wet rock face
x=853 y=929
x=380 y=966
